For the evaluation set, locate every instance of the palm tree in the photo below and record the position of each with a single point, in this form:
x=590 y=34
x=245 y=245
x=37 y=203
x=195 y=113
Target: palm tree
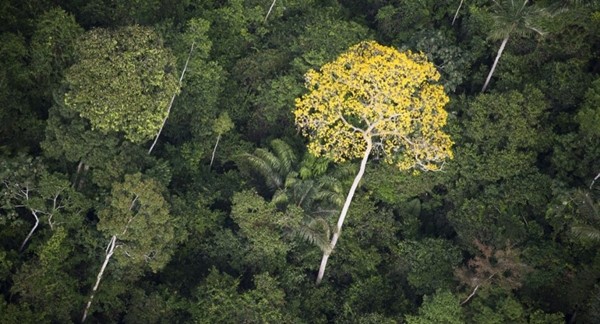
x=318 y=198
x=512 y=17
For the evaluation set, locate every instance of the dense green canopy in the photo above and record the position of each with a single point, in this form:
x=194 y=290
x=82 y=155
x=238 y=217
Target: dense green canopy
x=227 y=219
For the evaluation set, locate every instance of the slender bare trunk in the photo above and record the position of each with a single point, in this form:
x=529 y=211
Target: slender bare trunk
x=476 y=288
x=593 y=181
x=79 y=166
x=110 y=250
x=457 y=10
x=470 y=296
x=212 y=158
x=172 y=99
x=269 y=12
x=37 y=222
x=489 y=77
x=340 y=223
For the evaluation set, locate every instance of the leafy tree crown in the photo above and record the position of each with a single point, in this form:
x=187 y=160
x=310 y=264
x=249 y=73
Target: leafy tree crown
x=376 y=94
x=123 y=81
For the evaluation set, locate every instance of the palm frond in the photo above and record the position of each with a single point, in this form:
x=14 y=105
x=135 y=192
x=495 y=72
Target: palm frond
x=304 y=194
x=515 y=17
x=285 y=153
x=587 y=225
x=587 y=207
x=262 y=161
x=280 y=198
x=331 y=191
x=585 y=232
x=316 y=232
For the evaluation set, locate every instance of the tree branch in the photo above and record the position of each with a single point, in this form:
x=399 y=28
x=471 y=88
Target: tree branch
x=37 y=222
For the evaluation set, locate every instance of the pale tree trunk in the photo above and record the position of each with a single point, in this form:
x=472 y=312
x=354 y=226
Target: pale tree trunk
x=475 y=289
x=340 y=223
x=79 y=166
x=489 y=77
x=593 y=181
x=110 y=250
x=457 y=10
x=269 y=12
x=172 y=99
x=212 y=158
x=37 y=222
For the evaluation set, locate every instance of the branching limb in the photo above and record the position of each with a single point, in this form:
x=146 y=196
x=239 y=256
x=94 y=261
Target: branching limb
x=37 y=222
x=356 y=129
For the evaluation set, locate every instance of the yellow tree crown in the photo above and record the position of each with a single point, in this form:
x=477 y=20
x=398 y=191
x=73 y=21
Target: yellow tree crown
x=376 y=94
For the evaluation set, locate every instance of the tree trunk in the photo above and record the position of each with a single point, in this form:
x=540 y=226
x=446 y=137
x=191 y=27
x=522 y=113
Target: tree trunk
x=172 y=99
x=79 y=166
x=37 y=222
x=340 y=223
x=487 y=81
x=212 y=158
x=457 y=10
x=269 y=12
x=110 y=250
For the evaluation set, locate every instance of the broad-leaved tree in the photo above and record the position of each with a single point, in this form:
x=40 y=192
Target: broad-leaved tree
x=375 y=98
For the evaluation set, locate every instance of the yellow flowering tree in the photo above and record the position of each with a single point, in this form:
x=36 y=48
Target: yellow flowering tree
x=374 y=98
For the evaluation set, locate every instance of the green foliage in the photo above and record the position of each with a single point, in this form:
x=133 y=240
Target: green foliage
x=452 y=61
x=442 y=307
x=379 y=292
x=43 y=283
x=223 y=124
x=163 y=306
x=399 y=19
x=237 y=24
x=588 y=116
x=501 y=139
x=515 y=17
x=428 y=263
x=53 y=48
x=393 y=187
x=261 y=224
x=30 y=194
x=117 y=13
x=274 y=167
x=220 y=302
x=324 y=38
x=138 y=215
x=123 y=81
x=20 y=123
x=83 y=86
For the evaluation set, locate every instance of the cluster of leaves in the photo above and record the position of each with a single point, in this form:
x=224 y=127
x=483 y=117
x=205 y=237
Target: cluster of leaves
x=375 y=93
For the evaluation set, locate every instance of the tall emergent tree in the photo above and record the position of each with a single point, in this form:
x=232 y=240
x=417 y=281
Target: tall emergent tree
x=373 y=97
x=138 y=223
x=511 y=17
x=123 y=81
